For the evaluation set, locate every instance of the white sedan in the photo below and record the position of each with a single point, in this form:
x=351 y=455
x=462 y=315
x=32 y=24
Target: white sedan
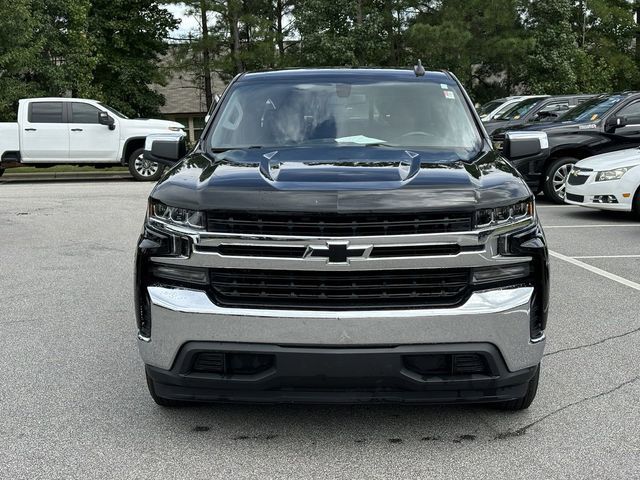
x=610 y=181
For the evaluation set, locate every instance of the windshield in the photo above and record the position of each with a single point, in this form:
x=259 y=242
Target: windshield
x=113 y=110
x=398 y=114
x=591 y=110
x=519 y=109
x=489 y=107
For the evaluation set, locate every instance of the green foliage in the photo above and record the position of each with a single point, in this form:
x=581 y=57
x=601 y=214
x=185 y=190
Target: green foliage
x=18 y=52
x=104 y=49
x=129 y=37
x=111 y=49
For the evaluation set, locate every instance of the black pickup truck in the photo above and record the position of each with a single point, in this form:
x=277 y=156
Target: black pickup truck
x=342 y=235
x=603 y=124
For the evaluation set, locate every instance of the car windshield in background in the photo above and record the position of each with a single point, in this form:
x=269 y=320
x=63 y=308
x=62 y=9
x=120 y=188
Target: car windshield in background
x=398 y=114
x=113 y=110
x=519 y=109
x=591 y=110
x=489 y=107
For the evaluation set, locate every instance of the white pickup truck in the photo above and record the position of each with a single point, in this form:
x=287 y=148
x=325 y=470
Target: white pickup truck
x=76 y=131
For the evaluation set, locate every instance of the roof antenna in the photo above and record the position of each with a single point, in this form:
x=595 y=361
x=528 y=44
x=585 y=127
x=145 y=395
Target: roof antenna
x=419 y=69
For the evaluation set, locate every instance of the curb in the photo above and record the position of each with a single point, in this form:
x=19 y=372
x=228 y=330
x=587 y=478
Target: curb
x=27 y=177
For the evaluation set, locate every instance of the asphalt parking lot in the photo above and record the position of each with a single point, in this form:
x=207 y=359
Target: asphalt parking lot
x=74 y=404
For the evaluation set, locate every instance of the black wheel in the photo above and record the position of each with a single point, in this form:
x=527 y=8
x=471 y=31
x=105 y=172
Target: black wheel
x=523 y=403
x=163 y=402
x=636 y=203
x=555 y=177
x=144 y=170
x=1 y=171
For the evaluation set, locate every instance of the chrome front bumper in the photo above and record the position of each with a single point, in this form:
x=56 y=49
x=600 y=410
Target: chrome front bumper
x=499 y=317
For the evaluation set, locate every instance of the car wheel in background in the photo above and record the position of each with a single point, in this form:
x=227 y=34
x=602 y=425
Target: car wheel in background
x=555 y=176
x=636 y=204
x=142 y=169
x=1 y=171
x=524 y=402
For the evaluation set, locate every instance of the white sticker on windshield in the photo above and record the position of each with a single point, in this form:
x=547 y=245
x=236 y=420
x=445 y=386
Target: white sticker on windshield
x=360 y=139
x=444 y=86
x=449 y=94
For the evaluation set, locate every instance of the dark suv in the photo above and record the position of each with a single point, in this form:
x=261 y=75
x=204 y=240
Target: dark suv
x=342 y=235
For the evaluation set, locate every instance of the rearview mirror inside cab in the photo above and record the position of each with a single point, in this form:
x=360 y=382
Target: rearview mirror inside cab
x=166 y=149
x=525 y=144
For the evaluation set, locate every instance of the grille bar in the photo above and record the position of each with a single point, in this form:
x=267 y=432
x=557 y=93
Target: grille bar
x=337 y=224
x=339 y=290
x=380 y=251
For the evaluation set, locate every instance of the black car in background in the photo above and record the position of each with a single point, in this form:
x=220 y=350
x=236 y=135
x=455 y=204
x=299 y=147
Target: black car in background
x=602 y=124
x=535 y=110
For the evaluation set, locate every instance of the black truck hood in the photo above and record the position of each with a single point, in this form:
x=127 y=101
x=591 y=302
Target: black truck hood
x=339 y=179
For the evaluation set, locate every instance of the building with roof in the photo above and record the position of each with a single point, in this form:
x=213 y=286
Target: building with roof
x=185 y=100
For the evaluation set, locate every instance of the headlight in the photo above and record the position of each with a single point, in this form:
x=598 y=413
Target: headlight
x=489 y=217
x=614 y=174
x=175 y=129
x=182 y=217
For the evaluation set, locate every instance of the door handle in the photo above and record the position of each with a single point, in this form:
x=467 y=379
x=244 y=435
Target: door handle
x=76 y=129
x=30 y=129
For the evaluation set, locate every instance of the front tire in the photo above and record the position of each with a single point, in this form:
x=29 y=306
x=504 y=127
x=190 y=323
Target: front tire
x=1 y=171
x=144 y=170
x=555 y=177
x=523 y=403
x=635 y=208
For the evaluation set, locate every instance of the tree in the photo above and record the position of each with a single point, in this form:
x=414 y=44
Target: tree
x=341 y=32
x=66 y=56
x=130 y=38
x=483 y=43
x=550 y=66
x=606 y=31
x=18 y=52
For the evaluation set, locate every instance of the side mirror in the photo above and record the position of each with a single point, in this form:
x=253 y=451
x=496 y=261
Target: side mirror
x=616 y=122
x=525 y=144
x=105 y=119
x=165 y=148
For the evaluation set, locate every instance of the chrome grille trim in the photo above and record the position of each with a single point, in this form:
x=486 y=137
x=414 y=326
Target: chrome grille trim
x=479 y=248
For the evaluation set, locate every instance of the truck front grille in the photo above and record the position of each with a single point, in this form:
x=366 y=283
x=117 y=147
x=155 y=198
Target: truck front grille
x=340 y=290
x=337 y=224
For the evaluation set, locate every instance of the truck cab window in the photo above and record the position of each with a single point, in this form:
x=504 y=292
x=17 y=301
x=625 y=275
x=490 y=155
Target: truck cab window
x=83 y=113
x=45 y=112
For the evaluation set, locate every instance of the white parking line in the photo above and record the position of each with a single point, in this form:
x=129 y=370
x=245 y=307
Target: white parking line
x=611 y=225
x=558 y=206
x=605 y=256
x=596 y=270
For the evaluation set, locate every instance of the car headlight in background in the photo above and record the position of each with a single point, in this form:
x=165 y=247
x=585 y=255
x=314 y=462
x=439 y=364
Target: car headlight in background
x=614 y=174
x=489 y=217
x=175 y=129
x=182 y=217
